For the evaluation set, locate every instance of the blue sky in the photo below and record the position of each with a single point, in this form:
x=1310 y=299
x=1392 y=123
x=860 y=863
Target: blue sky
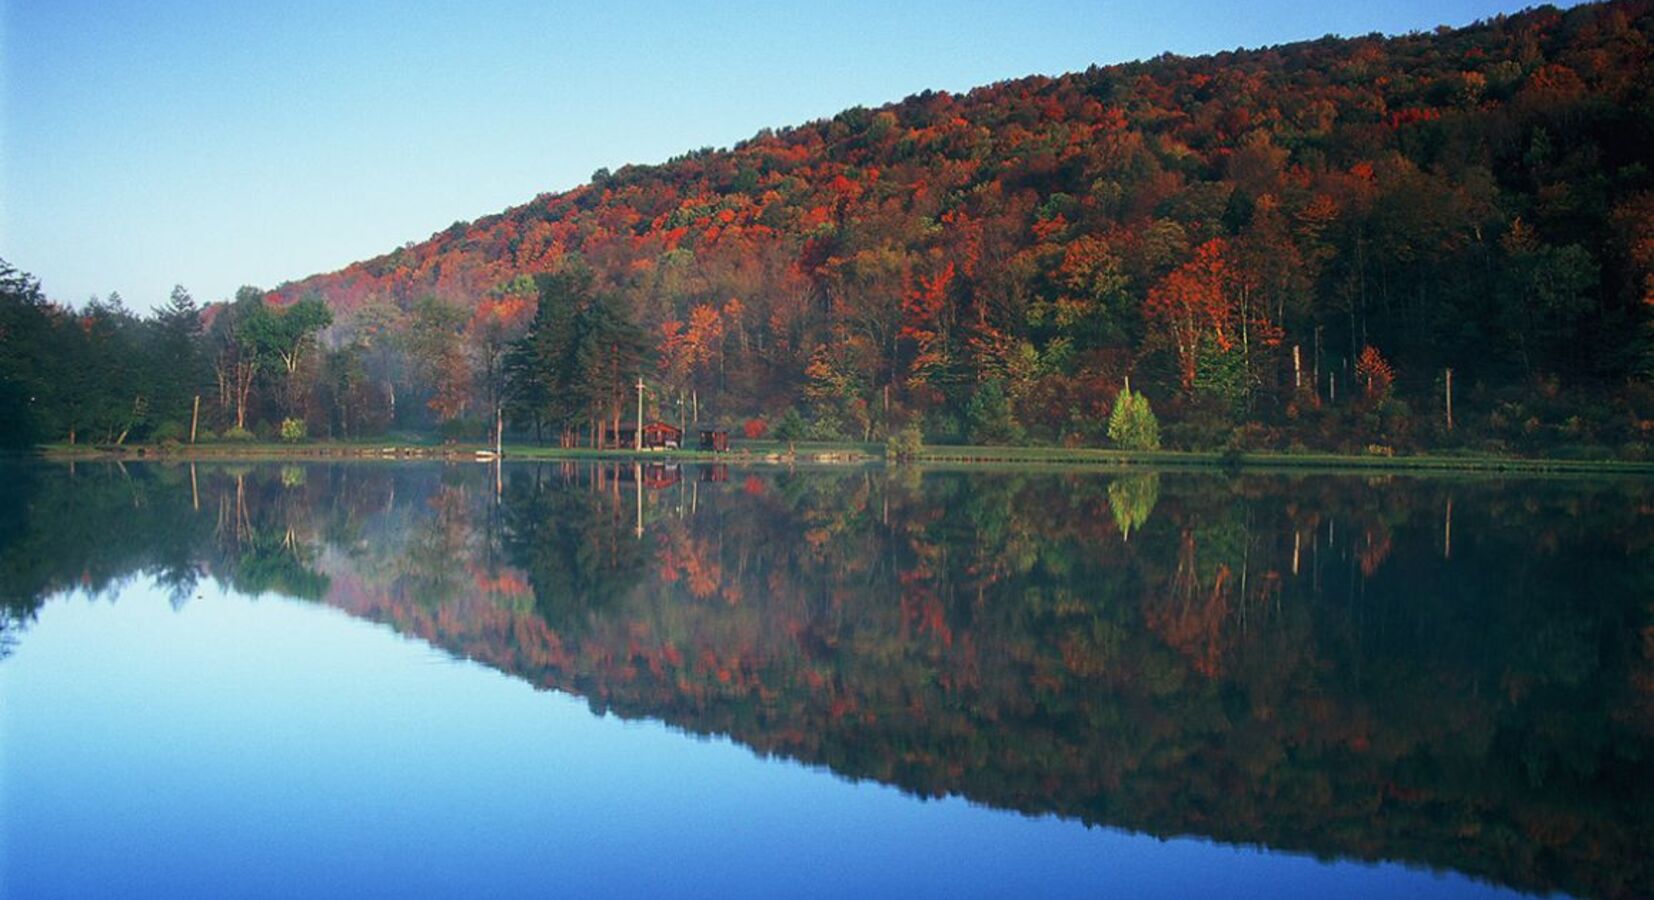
x=216 y=144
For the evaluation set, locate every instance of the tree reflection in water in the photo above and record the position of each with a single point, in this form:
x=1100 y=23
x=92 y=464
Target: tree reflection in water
x=1453 y=672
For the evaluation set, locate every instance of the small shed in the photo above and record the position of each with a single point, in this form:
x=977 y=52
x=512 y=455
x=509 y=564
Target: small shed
x=715 y=438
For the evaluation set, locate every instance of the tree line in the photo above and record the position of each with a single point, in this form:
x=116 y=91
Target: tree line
x=102 y=374
x=562 y=367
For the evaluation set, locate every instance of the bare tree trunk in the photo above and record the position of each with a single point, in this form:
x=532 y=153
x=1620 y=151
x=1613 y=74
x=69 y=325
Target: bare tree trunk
x=244 y=373
x=221 y=372
x=1449 y=399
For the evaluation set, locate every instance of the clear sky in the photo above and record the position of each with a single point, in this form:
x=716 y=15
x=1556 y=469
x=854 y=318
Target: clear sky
x=145 y=143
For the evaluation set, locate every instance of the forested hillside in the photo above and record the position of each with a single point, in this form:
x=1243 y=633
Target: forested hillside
x=1278 y=247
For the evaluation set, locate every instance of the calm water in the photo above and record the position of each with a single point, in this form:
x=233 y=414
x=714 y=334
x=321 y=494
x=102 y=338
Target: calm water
x=407 y=680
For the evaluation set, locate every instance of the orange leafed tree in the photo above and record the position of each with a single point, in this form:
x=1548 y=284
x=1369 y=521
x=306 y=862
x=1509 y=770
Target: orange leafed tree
x=1192 y=302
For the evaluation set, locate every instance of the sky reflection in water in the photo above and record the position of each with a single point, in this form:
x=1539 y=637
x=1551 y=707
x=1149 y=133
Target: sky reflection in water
x=274 y=748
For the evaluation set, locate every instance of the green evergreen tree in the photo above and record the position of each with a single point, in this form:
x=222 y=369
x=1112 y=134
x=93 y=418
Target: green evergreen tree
x=29 y=401
x=539 y=367
x=608 y=358
x=1132 y=425
x=988 y=416
x=178 y=358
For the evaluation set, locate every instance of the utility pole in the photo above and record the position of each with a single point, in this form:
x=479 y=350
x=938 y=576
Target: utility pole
x=637 y=436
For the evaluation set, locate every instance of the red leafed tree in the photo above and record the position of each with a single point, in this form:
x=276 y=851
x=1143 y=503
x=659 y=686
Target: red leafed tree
x=923 y=324
x=1375 y=373
x=1192 y=302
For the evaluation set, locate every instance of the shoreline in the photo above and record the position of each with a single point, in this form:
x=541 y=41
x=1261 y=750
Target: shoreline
x=772 y=452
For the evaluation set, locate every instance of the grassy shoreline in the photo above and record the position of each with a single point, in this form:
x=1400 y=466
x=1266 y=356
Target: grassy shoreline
x=776 y=452
x=1257 y=461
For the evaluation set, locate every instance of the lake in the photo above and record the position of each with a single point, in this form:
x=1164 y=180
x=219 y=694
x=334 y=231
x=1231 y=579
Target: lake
x=416 y=679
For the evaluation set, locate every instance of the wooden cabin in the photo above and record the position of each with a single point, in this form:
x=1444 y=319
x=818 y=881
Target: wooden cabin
x=656 y=436
x=715 y=439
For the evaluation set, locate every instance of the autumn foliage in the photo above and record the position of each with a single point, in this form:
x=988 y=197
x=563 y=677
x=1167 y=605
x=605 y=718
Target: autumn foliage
x=1054 y=235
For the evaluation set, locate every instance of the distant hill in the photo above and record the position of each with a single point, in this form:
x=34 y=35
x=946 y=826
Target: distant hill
x=995 y=264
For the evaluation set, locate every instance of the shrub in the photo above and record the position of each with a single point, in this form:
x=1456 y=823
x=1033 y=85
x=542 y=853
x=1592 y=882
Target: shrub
x=940 y=427
x=1203 y=423
x=237 y=434
x=292 y=430
x=169 y=432
x=791 y=426
x=467 y=430
x=754 y=429
x=905 y=444
x=825 y=428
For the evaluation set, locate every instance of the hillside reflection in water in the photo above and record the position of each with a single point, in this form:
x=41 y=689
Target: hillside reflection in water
x=1449 y=673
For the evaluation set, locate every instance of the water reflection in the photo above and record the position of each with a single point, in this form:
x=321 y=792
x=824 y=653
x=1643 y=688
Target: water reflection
x=1458 y=673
